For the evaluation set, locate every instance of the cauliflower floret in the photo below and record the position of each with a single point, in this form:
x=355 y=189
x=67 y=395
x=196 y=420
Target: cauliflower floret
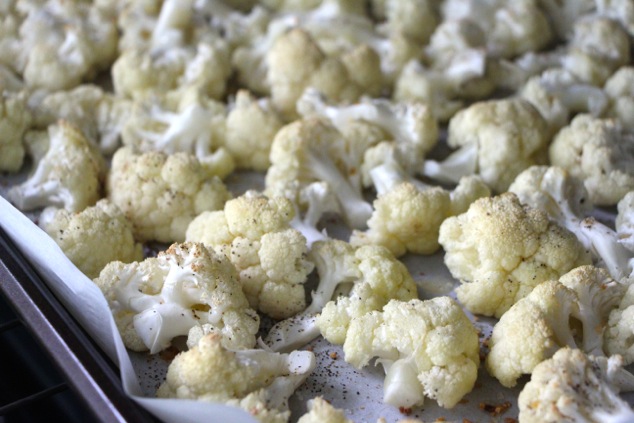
x=411 y=126
x=416 y=19
x=620 y=91
x=259 y=381
x=624 y=222
x=186 y=122
x=163 y=297
x=619 y=336
x=370 y=276
x=574 y=387
x=408 y=214
x=251 y=127
x=98 y=114
x=254 y=232
x=295 y=62
x=497 y=139
x=427 y=348
x=620 y=10
x=311 y=150
x=93 y=237
x=69 y=175
x=598 y=47
x=162 y=194
x=63 y=43
x=570 y=312
x=500 y=250
x=563 y=14
x=320 y=410
x=599 y=152
x=14 y=121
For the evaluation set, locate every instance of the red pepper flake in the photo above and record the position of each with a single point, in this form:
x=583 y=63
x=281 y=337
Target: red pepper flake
x=510 y=420
x=493 y=409
x=333 y=355
x=169 y=353
x=405 y=410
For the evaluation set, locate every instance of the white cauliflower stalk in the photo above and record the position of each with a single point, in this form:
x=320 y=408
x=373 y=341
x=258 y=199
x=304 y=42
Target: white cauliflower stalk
x=576 y=387
x=427 y=349
x=93 y=237
x=254 y=232
x=163 y=297
x=501 y=250
x=162 y=194
x=571 y=312
x=69 y=175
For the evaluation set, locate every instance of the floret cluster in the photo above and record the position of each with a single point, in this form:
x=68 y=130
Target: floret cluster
x=485 y=131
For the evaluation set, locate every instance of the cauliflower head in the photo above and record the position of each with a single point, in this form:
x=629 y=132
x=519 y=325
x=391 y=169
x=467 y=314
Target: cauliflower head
x=619 y=334
x=163 y=297
x=599 y=152
x=69 y=175
x=620 y=90
x=320 y=410
x=254 y=232
x=570 y=312
x=93 y=237
x=15 y=119
x=500 y=250
x=427 y=348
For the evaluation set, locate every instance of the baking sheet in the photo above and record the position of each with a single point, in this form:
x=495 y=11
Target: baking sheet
x=358 y=392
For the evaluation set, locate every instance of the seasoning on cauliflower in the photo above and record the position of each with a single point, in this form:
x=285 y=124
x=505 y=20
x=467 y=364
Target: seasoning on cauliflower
x=98 y=114
x=374 y=277
x=565 y=200
x=259 y=381
x=15 y=119
x=254 y=232
x=162 y=194
x=599 y=152
x=186 y=122
x=496 y=139
x=93 y=237
x=408 y=213
x=500 y=250
x=311 y=150
x=570 y=312
x=427 y=349
x=295 y=62
x=163 y=297
x=410 y=126
x=319 y=411
x=574 y=387
x=69 y=175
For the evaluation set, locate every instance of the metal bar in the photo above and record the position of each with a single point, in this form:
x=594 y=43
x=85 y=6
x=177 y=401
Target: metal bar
x=25 y=401
x=88 y=371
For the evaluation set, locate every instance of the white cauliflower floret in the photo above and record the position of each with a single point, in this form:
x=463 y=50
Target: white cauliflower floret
x=427 y=348
x=411 y=126
x=163 y=297
x=69 y=175
x=574 y=387
x=565 y=199
x=599 y=152
x=162 y=194
x=63 y=43
x=188 y=122
x=500 y=250
x=408 y=214
x=620 y=91
x=320 y=410
x=14 y=121
x=255 y=233
x=620 y=10
x=374 y=277
x=93 y=237
x=251 y=127
x=311 y=150
x=295 y=62
x=497 y=139
x=98 y=114
x=570 y=312
x=563 y=14
x=258 y=381
x=557 y=93
x=624 y=222
x=598 y=47
x=619 y=334
x=416 y=19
